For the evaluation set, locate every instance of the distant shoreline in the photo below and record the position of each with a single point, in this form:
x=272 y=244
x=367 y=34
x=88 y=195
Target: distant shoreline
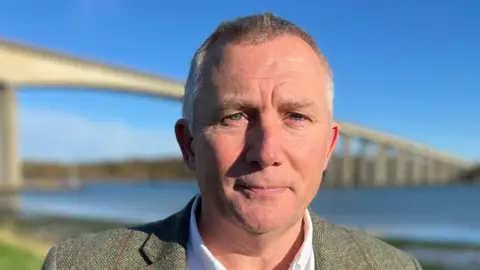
x=133 y=170
x=74 y=226
x=50 y=230
x=43 y=184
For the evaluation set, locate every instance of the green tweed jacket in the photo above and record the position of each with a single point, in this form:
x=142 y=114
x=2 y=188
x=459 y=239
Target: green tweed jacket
x=162 y=245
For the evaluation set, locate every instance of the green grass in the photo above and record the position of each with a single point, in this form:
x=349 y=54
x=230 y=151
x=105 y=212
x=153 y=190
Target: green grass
x=403 y=243
x=58 y=229
x=434 y=267
x=451 y=246
x=15 y=258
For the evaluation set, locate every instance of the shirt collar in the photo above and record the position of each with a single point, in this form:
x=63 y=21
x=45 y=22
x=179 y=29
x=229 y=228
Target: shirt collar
x=201 y=251
x=196 y=244
x=305 y=252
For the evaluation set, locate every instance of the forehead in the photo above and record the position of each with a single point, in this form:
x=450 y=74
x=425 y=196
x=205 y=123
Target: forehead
x=285 y=62
x=264 y=54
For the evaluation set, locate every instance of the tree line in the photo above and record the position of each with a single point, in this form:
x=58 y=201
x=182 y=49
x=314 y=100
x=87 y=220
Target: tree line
x=171 y=169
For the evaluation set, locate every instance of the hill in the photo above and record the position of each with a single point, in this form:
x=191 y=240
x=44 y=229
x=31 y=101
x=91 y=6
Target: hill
x=173 y=169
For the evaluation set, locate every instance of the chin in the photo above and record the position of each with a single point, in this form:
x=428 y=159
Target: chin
x=259 y=216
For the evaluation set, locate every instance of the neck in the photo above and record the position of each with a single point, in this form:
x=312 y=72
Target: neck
x=236 y=246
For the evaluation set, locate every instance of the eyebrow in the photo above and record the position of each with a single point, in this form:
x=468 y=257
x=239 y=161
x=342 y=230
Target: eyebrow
x=295 y=104
x=283 y=106
x=231 y=104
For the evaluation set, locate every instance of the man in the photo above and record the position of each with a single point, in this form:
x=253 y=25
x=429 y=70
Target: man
x=257 y=130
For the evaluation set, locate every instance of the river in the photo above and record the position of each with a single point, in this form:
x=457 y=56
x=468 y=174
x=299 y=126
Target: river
x=450 y=213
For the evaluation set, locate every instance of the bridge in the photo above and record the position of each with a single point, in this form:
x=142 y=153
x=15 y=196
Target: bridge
x=394 y=161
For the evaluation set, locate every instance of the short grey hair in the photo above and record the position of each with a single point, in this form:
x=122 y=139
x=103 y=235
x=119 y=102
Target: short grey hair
x=253 y=29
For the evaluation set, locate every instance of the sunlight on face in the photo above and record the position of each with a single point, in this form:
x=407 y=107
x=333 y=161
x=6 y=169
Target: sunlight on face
x=263 y=133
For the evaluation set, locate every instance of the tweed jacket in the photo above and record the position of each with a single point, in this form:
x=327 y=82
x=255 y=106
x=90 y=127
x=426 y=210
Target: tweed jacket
x=162 y=245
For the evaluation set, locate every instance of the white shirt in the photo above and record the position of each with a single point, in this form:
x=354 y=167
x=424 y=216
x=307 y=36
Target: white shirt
x=200 y=258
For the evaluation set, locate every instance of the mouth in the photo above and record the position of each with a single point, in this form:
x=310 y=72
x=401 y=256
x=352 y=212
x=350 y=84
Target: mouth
x=259 y=190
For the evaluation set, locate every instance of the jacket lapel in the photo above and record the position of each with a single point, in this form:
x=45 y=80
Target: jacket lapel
x=332 y=246
x=320 y=247
x=166 y=244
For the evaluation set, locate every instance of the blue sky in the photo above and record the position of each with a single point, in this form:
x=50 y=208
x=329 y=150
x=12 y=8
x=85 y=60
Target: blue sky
x=410 y=68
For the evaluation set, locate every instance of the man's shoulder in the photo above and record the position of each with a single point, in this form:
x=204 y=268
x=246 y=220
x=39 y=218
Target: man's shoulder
x=116 y=247
x=124 y=248
x=360 y=249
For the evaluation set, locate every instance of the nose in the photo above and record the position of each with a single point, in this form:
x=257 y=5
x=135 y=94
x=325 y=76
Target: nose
x=264 y=146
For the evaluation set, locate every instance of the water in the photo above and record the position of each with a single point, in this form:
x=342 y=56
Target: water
x=429 y=213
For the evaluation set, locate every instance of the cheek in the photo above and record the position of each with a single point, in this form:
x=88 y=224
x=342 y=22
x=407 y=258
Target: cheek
x=308 y=154
x=224 y=149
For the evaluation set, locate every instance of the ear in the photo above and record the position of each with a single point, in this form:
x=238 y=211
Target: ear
x=334 y=134
x=185 y=142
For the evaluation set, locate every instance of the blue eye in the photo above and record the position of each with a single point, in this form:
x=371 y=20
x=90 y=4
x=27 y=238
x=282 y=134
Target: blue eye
x=297 y=116
x=235 y=117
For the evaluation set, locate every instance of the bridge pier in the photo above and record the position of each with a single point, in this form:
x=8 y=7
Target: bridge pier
x=330 y=176
x=10 y=166
x=417 y=170
x=431 y=170
x=400 y=168
x=347 y=162
x=440 y=172
x=362 y=163
x=453 y=172
x=447 y=173
x=381 y=166
x=391 y=165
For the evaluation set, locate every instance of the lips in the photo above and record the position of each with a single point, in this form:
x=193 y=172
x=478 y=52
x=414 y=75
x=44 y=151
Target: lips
x=259 y=189
x=250 y=186
x=240 y=183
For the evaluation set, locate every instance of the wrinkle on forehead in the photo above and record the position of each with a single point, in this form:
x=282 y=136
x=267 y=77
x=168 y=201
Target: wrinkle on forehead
x=240 y=102
x=287 y=48
x=282 y=49
x=282 y=75
x=238 y=70
x=288 y=64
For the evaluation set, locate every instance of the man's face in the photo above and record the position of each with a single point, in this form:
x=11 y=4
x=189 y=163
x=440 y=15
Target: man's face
x=263 y=134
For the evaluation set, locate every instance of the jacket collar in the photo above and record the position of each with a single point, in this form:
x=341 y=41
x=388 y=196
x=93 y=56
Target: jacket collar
x=166 y=242
x=319 y=249
x=167 y=239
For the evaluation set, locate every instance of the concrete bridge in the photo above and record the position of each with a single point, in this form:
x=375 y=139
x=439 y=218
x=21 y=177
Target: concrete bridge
x=472 y=175
x=395 y=161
